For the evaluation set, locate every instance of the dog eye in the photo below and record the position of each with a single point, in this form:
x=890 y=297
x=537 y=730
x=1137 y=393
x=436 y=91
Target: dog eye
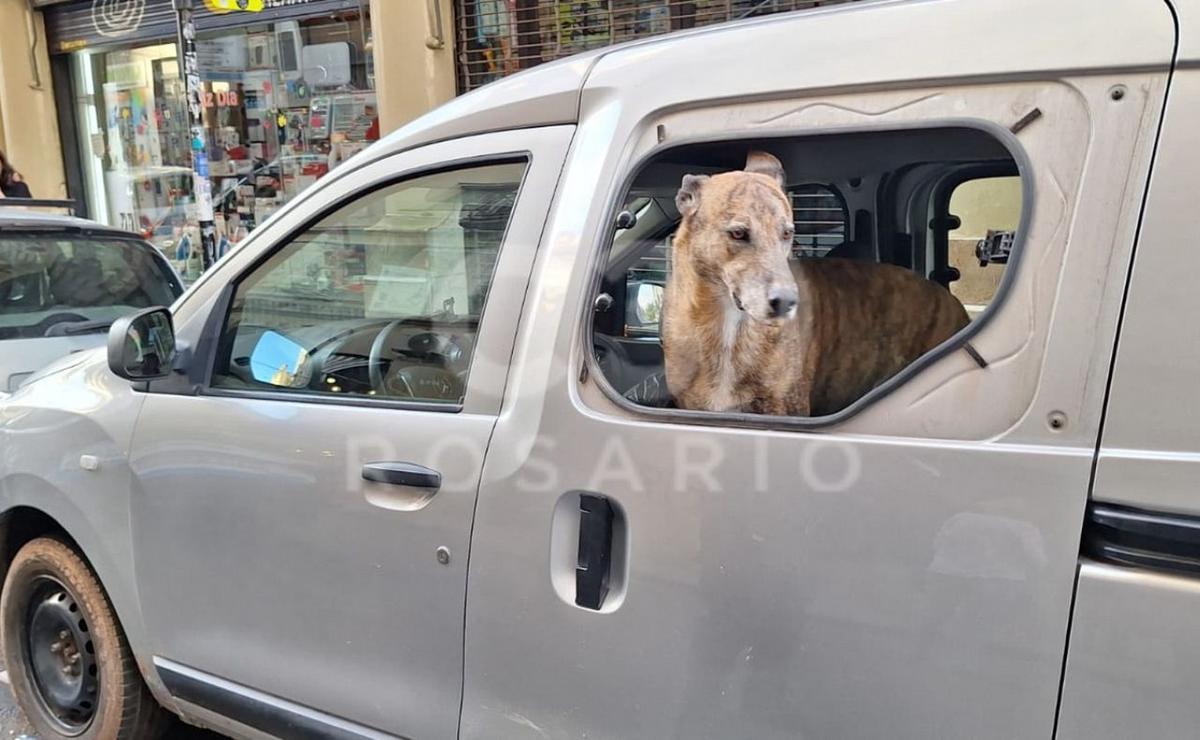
x=789 y=231
x=739 y=234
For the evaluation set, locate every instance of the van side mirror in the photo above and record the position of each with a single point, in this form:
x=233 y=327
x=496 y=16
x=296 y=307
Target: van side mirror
x=278 y=360
x=643 y=308
x=142 y=346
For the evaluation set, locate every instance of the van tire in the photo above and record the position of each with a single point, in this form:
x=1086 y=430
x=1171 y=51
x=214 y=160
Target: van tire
x=48 y=584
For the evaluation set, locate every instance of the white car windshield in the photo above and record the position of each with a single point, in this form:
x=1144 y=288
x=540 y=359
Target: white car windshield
x=57 y=284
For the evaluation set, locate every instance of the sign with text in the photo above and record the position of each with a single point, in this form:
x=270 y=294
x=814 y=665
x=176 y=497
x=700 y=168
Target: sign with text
x=230 y=6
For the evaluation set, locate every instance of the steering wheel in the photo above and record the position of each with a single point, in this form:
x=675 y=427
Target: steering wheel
x=416 y=380
x=375 y=358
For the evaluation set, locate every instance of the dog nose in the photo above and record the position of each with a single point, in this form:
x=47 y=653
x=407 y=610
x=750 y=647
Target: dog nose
x=781 y=301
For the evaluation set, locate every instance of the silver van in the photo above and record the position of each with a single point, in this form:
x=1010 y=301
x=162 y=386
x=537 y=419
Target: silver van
x=404 y=464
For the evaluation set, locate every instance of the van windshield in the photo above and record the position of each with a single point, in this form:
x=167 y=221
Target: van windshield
x=62 y=284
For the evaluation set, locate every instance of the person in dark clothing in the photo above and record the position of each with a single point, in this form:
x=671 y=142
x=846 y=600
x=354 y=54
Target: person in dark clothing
x=11 y=183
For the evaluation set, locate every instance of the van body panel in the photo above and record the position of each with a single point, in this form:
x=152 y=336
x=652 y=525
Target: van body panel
x=883 y=576
x=85 y=409
x=1150 y=455
x=1188 y=14
x=864 y=44
x=1134 y=659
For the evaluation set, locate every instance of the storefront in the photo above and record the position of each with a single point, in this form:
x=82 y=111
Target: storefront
x=288 y=93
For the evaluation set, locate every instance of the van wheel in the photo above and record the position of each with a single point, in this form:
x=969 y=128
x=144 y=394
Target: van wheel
x=68 y=660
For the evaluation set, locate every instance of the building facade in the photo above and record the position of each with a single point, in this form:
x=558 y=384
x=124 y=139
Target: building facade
x=93 y=105
x=286 y=94
x=29 y=133
x=496 y=38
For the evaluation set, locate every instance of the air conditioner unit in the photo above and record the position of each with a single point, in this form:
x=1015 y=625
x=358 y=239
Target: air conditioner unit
x=327 y=65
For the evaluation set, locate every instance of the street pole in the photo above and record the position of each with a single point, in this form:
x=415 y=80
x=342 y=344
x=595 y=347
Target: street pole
x=201 y=185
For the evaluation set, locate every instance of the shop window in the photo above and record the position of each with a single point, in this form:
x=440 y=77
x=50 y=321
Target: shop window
x=872 y=320
x=282 y=103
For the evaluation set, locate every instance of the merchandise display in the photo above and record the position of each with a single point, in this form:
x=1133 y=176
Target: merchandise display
x=282 y=104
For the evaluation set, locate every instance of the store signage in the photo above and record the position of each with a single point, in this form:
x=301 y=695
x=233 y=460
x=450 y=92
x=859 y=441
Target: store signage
x=230 y=6
x=224 y=98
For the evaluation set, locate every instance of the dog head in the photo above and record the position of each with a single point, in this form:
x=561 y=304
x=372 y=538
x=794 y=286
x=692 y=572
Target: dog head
x=737 y=230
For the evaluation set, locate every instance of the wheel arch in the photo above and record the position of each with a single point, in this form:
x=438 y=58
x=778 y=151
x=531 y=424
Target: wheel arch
x=41 y=510
x=22 y=524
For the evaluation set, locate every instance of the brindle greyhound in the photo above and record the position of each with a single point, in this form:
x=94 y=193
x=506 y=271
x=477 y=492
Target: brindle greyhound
x=745 y=329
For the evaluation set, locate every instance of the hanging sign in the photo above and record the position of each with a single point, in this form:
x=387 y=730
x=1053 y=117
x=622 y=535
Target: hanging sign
x=230 y=6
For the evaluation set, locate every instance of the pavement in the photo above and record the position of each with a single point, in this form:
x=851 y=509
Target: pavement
x=12 y=719
x=14 y=727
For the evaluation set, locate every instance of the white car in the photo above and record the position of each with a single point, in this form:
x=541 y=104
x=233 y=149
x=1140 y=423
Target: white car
x=63 y=280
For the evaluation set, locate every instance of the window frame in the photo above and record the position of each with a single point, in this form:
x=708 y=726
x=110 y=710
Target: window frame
x=214 y=346
x=960 y=340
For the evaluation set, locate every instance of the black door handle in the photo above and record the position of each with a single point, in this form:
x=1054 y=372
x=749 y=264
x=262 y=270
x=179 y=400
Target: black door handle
x=595 y=550
x=402 y=474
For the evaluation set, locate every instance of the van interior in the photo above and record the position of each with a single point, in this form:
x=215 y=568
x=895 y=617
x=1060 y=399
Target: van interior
x=942 y=202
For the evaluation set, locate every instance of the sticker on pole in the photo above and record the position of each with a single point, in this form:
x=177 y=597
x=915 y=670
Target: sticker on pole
x=230 y=6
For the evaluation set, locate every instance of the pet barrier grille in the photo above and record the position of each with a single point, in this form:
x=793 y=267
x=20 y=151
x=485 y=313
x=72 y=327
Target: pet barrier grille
x=499 y=37
x=820 y=217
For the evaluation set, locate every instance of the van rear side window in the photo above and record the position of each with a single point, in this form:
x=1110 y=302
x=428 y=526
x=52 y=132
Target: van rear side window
x=795 y=276
x=987 y=209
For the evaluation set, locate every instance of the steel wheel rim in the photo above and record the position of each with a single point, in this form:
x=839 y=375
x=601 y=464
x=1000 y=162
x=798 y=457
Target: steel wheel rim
x=60 y=656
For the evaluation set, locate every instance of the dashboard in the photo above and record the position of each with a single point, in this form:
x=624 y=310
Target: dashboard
x=417 y=358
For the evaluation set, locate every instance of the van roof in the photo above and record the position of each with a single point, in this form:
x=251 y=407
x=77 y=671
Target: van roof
x=827 y=43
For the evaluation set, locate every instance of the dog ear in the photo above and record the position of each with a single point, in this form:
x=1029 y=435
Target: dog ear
x=687 y=200
x=765 y=164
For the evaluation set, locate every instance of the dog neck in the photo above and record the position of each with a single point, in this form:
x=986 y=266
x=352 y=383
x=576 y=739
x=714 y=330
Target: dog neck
x=715 y=352
x=706 y=305
x=719 y=358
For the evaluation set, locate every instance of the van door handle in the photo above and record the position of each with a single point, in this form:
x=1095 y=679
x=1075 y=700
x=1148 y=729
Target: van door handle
x=595 y=550
x=402 y=474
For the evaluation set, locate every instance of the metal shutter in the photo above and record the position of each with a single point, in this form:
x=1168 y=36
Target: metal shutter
x=499 y=37
x=87 y=23
x=97 y=22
